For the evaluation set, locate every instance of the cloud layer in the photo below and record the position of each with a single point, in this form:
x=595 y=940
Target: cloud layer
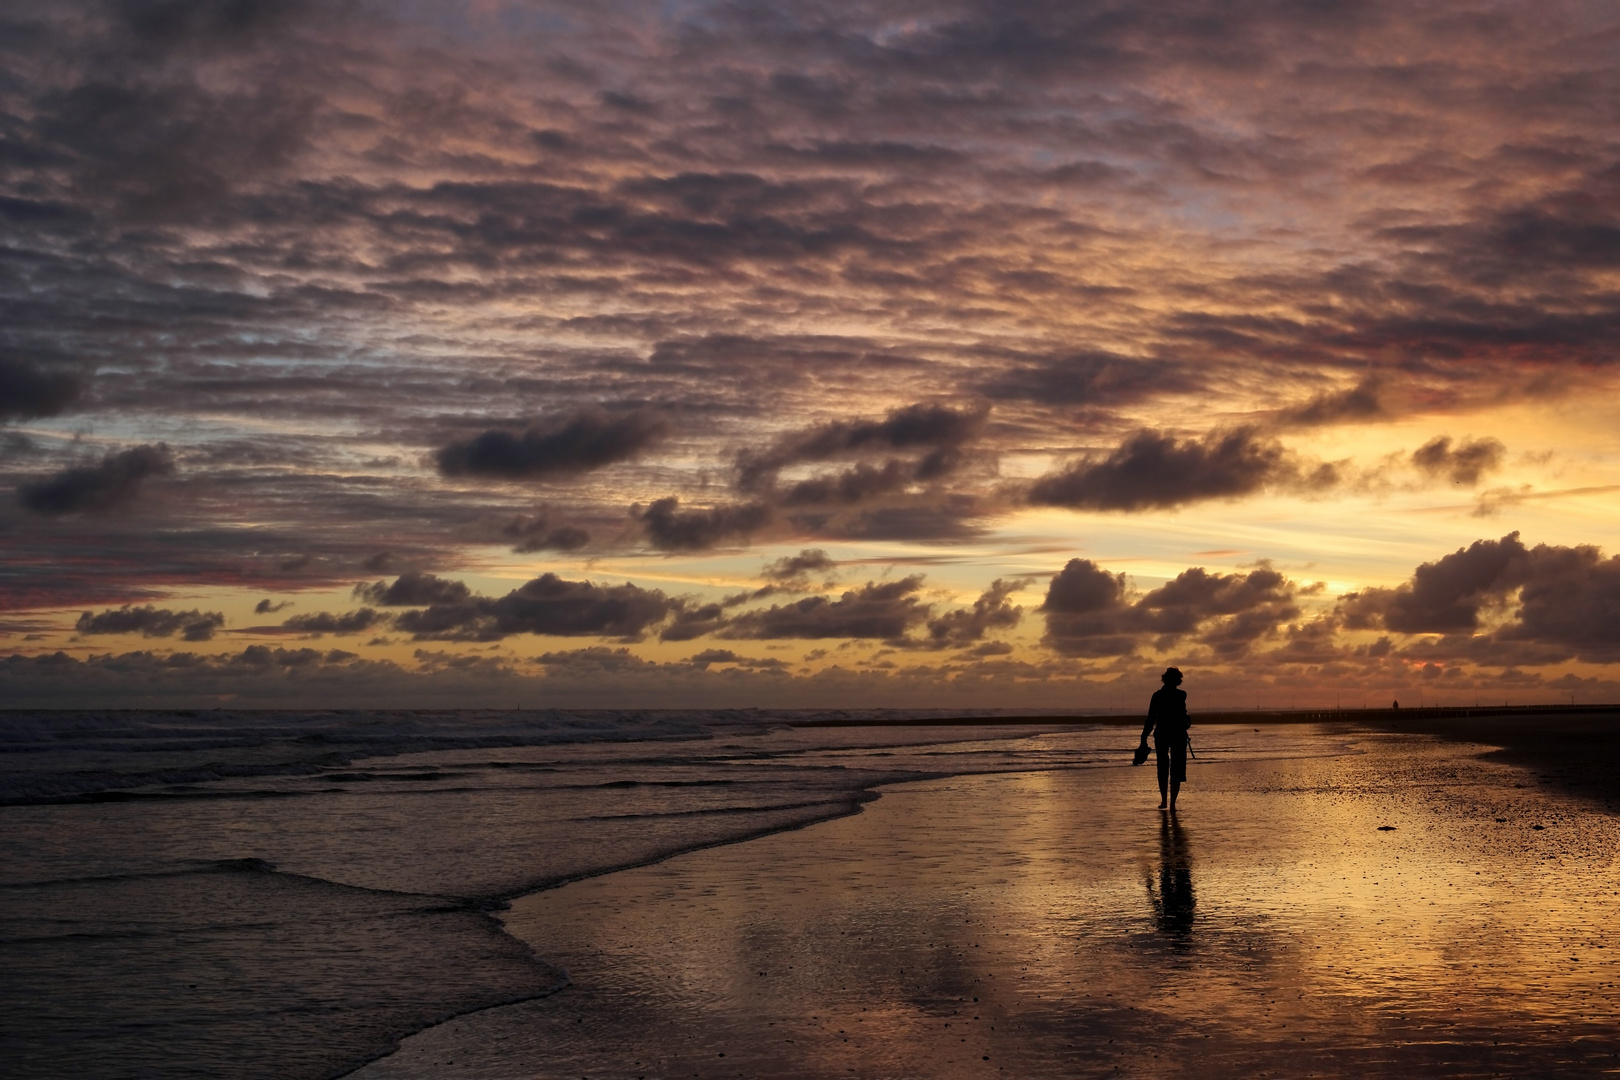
x=296 y=295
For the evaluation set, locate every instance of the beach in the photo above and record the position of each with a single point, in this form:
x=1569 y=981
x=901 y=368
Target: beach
x=871 y=901
x=1364 y=913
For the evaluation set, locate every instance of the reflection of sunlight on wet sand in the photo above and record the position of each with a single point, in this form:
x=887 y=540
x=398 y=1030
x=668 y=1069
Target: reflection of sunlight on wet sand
x=1053 y=924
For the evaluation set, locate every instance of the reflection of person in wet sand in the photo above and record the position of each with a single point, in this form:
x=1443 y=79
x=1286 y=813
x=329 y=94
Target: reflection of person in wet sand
x=1167 y=722
x=1173 y=900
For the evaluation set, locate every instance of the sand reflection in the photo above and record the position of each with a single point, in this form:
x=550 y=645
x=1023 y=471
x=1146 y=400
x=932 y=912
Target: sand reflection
x=1171 y=895
x=1055 y=925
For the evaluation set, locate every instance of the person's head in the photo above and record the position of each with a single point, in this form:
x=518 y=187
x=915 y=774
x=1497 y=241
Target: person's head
x=1171 y=676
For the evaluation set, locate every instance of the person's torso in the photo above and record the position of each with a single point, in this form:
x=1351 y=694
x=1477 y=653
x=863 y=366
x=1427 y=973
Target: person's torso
x=1168 y=708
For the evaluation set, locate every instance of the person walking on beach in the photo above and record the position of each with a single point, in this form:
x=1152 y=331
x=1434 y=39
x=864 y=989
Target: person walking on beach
x=1167 y=722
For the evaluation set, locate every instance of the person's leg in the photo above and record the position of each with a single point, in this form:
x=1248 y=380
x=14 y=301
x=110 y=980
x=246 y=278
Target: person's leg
x=1178 y=772
x=1175 y=789
x=1162 y=756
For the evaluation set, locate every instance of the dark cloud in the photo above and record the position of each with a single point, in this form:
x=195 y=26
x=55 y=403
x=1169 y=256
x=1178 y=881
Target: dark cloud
x=324 y=622
x=1464 y=463
x=243 y=208
x=1359 y=403
x=563 y=446
x=1153 y=470
x=993 y=610
x=670 y=528
x=853 y=485
x=270 y=607
x=538 y=533
x=172 y=23
x=708 y=657
x=936 y=432
x=1091 y=612
x=152 y=622
x=1093 y=378
x=883 y=611
x=1444 y=596
x=1536 y=606
x=951 y=518
x=1185 y=602
x=95 y=489
x=1570 y=603
x=548 y=605
x=695 y=621
x=1085 y=609
x=28 y=390
x=414 y=589
x=795 y=568
x=1228 y=612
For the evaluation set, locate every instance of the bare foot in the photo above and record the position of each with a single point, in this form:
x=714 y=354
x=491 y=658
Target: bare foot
x=1161 y=806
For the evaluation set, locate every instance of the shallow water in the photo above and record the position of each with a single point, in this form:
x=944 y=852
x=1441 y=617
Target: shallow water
x=210 y=896
x=1054 y=923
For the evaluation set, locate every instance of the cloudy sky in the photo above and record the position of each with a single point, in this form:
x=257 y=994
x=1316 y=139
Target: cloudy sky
x=815 y=354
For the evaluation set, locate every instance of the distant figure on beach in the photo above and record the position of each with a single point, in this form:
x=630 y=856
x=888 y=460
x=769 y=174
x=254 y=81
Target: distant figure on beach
x=1167 y=722
x=1396 y=704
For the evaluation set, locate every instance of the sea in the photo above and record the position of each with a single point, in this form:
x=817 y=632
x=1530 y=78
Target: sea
x=546 y=893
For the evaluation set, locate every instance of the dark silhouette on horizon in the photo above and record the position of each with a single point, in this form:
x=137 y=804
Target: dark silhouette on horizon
x=1172 y=894
x=1167 y=722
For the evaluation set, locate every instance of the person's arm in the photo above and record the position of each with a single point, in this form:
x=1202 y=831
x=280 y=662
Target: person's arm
x=1147 y=728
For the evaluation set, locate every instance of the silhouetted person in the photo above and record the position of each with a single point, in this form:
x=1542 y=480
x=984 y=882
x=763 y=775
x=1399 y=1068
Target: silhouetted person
x=1173 y=900
x=1396 y=704
x=1167 y=722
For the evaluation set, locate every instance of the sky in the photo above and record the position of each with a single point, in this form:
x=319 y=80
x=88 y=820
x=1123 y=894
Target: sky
x=827 y=354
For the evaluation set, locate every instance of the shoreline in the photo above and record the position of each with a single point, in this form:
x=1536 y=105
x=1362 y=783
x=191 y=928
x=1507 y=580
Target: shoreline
x=936 y=934
x=1575 y=748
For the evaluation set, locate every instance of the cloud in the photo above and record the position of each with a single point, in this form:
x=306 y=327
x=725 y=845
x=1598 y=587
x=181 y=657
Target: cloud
x=28 y=390
x=1465 y=463
x=883 y=611
x=1228 y=612
x=270 y=607
x=152 y=622
x=1444 y=596
x=708 y=657
x=568 y=445
x=1091 y=612
x=1092 y=378
x=414 y=589
x=163 y=25
x=96 y=489
x=324 y=622
x=1084 y=608
x=695 y=622
x=1570 y=602
x=993 y=610
x=937 y=432
x=795 y=569
x=949 y=519
x=537 y=533
x=1535 y=606
x=548 y=605
x=853 y=485
x=669 y=528
x=1359 y=403
x=1153 y=470
x=242 y=209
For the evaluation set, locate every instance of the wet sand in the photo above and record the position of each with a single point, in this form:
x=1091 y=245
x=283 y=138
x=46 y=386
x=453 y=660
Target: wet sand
x=1378 y=905
x=1576 y=752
